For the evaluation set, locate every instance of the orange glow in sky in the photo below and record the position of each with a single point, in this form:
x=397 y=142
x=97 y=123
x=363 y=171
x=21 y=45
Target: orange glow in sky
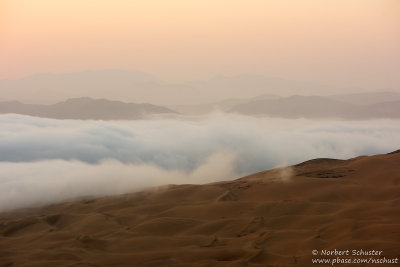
x=338 y=42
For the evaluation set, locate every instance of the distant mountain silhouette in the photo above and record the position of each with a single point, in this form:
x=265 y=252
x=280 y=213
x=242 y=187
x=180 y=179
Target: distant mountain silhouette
x=133 y=86
x=374 y=104
x=318 y=107
x=122 y=85
x=245 y=85
x=85 y=108
x=367 y=98
x=223 y=105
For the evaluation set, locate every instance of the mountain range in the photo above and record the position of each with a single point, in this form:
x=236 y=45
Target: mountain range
x=38 y=93
x=133 y=86
x=346 y=106
x=85 y=108
x=374 y=105
x=322 y=107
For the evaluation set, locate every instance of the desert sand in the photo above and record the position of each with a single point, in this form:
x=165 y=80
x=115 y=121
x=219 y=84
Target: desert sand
x=272 y=218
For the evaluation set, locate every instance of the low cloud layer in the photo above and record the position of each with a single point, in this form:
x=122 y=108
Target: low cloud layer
x=44 y=160
x=35 y=183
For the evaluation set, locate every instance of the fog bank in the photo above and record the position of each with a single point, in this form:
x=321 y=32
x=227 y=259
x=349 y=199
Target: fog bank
x=44 y=160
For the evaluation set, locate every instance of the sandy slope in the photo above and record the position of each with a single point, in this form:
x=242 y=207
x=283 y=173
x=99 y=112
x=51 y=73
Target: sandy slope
x=272 y=218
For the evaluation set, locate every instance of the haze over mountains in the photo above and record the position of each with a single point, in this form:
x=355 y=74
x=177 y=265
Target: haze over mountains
x=374 y=105
x=321 y=107
x=245 y=94
x=85 y=108
x=130 y=86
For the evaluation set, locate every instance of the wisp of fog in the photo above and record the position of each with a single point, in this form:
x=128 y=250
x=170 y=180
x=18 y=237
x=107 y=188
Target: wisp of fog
x=45 y=161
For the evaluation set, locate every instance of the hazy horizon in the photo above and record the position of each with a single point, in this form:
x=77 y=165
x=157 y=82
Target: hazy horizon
x=342 y=43
x=140 y=87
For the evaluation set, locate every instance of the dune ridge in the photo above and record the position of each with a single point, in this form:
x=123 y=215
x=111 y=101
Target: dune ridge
x=272 y=218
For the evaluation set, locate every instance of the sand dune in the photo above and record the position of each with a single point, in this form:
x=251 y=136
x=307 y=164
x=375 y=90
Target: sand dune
x=273 y=218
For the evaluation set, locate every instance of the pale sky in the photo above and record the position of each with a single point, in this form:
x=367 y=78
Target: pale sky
x=336 y=42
